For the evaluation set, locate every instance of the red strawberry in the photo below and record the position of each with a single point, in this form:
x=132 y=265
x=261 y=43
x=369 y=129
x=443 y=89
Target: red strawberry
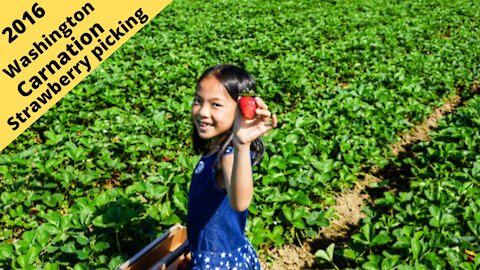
x=248 y=105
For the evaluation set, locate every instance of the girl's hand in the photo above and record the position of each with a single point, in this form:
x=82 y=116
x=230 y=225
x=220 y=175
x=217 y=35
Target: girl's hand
x=246 y=131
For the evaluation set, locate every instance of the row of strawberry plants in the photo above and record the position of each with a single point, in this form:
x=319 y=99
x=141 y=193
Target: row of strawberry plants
x=344 y=77
x=436 y=223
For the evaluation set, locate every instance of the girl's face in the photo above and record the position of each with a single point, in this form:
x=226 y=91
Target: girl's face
x=213 y=109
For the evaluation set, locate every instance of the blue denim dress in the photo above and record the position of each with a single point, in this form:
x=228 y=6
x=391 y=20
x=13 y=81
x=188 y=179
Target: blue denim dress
x=215 y=231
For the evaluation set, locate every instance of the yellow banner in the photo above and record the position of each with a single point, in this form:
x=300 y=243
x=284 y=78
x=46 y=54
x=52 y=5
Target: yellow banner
x=48 y=47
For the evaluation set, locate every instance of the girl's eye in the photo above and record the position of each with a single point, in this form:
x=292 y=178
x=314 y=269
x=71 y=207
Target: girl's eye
x=216 y=105
x=196 y=101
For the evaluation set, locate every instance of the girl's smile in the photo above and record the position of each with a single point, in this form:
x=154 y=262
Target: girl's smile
x=213 y=109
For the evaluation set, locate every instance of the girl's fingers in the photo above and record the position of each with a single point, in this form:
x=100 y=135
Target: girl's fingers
x=261 y=112
x=261 y=104
x=271 y=124
x=274 y=121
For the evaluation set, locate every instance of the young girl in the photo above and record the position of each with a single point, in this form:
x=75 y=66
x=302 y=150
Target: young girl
x=222 y=183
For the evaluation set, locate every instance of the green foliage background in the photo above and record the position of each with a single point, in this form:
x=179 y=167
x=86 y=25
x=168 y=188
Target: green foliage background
x=107 y=169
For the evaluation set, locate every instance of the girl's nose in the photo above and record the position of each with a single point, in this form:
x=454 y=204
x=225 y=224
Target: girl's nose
x=203 y=112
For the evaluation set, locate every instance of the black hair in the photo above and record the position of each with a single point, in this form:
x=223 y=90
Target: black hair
x=236 y=80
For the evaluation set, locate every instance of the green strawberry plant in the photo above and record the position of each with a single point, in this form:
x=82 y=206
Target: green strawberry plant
x=436 y=224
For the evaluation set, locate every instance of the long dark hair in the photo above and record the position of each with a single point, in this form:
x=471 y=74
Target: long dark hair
x=236 y=80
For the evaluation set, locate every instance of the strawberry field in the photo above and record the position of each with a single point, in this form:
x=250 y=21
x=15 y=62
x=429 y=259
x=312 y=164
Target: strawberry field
x=107 y=169
x=435 y=223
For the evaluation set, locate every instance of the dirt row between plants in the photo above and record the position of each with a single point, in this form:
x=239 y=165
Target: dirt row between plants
x=349 y=203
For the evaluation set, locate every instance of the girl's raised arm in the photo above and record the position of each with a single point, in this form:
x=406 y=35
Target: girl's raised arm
x=238 y=178
x=237 y=168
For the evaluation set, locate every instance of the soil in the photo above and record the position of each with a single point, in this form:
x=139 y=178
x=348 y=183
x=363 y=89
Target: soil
x=419 y=133
x=288 y=257
x=350 y=203
x=348 y=209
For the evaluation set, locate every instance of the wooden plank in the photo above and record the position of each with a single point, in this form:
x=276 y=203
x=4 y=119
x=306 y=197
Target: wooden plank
x=157 y=249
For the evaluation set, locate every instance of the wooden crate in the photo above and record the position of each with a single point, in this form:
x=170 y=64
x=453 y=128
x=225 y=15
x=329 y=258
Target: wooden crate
x=164 y=253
